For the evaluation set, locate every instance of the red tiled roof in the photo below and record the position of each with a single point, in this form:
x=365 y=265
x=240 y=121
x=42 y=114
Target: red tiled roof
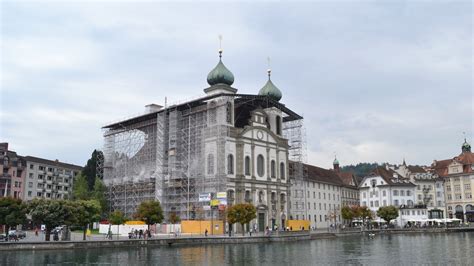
x=465 y=158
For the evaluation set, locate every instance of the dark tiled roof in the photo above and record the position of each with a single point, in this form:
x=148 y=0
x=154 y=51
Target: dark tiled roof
x=49 y=162
x=318 y=174
x=416 y=169
x=348 y=178
x=389 y=177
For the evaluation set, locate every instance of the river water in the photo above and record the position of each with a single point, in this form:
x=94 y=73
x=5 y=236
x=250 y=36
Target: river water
x=405 y=249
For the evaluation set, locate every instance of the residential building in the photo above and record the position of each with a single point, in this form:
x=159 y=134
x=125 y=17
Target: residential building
x=321 y=190
x=350 y=189
x=429 y=188
x=385 y=187
x=13 y=173
x=458 y=176
x=48 y=179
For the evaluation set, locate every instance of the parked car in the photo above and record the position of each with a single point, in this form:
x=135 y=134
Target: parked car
x=17 y=233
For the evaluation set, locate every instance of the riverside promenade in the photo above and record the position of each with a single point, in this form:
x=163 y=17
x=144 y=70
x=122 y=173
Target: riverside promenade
x=99 y=241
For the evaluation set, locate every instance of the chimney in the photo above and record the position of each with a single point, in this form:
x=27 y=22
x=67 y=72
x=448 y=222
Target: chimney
x=150 y=108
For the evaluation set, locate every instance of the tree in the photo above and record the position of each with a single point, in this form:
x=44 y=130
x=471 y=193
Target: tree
x=51 y=213
x=80 y=190
x=12 y=213
x=241 y=213
x=150 y=212
x=346 y=213
x=388 y=213
x=174 y=218
x=117 y=218
x=86 y=212
x=99 y=195
x=90 y=169
x=365 y=213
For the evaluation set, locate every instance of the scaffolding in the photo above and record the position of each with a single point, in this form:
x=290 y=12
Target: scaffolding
x=294 y=132
x=164 y=154
x=185 y=134
x=129 y=165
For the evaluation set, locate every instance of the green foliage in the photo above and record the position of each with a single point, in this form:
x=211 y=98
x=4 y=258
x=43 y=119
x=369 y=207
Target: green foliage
x=52 y=213
x=90 y=169
x=117 y=218
x=241 y=213
x=150 y=212
x=388 y=213
x=12 y=212
x=99 y=194
x=86 y=212
x=361 y=169
x=174 y=218
x=346 y=213
x=365 y=213
x=80 y=189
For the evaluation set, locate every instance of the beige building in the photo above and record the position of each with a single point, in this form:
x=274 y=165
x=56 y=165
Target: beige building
x=48 y=179
x=458 y=176
x=429 y=189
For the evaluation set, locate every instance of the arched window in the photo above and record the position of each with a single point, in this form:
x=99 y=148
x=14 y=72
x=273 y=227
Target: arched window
x=230 y=164
x=273 y=169
x=260 y=165
x=282 y=170
x=210 y=164
x=278 y=124
x=247 y=165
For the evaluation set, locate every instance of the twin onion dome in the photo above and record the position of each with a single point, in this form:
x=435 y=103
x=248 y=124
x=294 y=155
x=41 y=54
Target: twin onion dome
x=270 y=90
x=221 y=75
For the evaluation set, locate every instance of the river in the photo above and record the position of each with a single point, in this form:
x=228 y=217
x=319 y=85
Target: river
x=406 y=249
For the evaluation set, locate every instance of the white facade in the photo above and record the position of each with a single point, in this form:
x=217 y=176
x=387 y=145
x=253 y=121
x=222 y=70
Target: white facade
x=321 y=194
x=385 y=188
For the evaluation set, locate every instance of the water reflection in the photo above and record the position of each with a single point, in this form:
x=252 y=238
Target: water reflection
x=440 y=248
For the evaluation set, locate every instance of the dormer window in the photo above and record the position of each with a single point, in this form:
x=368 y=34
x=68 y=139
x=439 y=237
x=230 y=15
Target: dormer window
x=374 y=182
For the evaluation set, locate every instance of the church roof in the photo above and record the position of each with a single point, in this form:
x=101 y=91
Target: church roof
x=255 y=100
x=270 y=90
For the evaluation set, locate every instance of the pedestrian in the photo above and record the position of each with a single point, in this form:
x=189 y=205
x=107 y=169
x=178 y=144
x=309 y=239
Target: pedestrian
x=149 y=233
x=205 y=233
x=136 y=233
x=140 y=234
x=36 y=231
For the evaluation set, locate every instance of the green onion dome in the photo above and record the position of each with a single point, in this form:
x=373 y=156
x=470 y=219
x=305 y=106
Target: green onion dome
x=220 y=74
x=466 y=147
x=270 y=89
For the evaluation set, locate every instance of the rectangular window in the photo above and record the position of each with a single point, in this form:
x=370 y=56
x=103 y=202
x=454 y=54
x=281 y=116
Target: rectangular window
x=395 y=202
x=450 y=197
x=384 y=202
x=29 y=193
x=395 y=192
x=402 y=193
x=30 y=175
x=30 y=184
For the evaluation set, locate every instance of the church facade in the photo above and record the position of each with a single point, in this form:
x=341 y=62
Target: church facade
x=223 y=143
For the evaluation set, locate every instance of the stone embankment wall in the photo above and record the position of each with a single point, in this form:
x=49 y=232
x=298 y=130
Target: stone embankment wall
x=151 y=242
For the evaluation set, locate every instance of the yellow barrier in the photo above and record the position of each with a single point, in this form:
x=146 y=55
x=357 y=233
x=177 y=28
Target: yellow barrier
x=135 y=222
x=298 y=225
x=199 y=227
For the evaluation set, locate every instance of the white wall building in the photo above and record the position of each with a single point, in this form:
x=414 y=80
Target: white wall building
x=321 y=193
x=385 y=187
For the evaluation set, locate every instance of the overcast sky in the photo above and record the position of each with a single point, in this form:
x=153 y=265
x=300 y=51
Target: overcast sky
x=374 y=81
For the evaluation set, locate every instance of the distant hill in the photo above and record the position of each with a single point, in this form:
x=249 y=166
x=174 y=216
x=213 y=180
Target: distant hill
x=361 y=169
